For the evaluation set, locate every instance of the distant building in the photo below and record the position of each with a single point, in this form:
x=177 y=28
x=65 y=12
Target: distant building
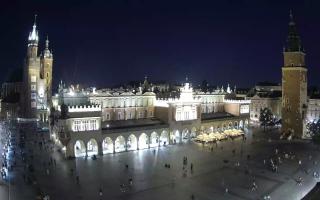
x=265 y=95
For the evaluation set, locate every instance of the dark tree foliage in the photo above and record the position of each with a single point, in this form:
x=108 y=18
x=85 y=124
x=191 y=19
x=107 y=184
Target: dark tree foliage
x=52 y=116
x=313 y=129
x=64 y=111
x=266 y=118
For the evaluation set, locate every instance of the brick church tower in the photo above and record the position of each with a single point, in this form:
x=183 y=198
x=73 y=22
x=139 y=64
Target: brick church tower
x=294 y=84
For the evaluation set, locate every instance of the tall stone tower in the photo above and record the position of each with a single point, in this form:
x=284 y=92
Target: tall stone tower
x=31 y=74
x=37 y=79
x=294 y=84
x=46 y=72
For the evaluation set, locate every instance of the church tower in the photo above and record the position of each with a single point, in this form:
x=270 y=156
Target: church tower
x=31 y=74
x=294 y=84
x=37 y=79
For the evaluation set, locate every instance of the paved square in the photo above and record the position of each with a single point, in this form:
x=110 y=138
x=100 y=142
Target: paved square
x=214 y=171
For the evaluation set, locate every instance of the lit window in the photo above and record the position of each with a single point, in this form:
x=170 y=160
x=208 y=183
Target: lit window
x=33 y=79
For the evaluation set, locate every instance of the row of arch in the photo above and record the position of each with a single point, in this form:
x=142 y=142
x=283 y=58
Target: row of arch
x=120 y=144
x=144 y=141
x=227 y=125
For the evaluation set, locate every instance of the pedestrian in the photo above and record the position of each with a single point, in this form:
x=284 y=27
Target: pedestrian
x=77 y=179
x=54 y=161
x=100 y=193
x=191 y=167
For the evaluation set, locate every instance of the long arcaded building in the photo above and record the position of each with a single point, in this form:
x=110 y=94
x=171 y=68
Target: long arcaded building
x=96 y=122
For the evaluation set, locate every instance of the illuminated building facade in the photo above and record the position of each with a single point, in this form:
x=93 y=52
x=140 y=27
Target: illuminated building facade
x=108 y=121
x=37 y=79
x=294 y=85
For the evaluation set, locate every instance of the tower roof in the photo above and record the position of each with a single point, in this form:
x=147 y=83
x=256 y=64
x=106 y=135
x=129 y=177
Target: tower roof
x=293 y=39
x=33 y=35
x=47 y=52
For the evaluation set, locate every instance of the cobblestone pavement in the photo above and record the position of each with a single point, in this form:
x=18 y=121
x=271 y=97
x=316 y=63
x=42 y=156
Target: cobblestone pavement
x=214 y=171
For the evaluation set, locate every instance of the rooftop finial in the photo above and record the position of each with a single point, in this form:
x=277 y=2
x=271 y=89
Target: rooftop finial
x=47 y=43
x=35 y=19
x=291 y=18
x=186 y=78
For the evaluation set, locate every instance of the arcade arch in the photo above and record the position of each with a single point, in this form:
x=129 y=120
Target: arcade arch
x=79 y=148
x=107 y=145
x=120 y=144
x=132 y=143
x=143 y=141
x=92 y=147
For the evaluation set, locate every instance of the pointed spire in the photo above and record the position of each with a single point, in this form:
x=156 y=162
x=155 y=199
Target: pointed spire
x=35 y=20
x=186 y=78
x=293 y=40
x=47 y=52
x=228 y=89
x=47 y=43
x=33 y=35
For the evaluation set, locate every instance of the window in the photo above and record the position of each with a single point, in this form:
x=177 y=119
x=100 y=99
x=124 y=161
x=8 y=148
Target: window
x=33 y=104
x=119 y=115
x=33 y=79
x=140 y=115
x=33 y=95
x=77 y=125
x=33 y=87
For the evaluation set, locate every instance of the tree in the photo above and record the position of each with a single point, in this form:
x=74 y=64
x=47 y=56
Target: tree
x=204 y=86
x=51 y=116
x=313 y=129
x=64 y=111
x=266 y=117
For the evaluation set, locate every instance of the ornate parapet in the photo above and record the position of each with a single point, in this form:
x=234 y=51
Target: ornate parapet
x=83 y=108
x=237 y=101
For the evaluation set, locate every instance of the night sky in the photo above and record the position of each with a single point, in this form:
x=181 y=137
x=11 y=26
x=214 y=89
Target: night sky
x=104 y=43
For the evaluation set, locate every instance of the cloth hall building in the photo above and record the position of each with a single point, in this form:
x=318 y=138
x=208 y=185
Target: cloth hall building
x=96 y=122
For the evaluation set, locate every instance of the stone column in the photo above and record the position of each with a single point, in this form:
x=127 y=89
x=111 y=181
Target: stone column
x=114 y=146
x=137 y=143
x=100 y=150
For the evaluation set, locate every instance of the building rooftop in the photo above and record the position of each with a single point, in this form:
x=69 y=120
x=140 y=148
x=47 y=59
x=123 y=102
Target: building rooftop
x=131 y=123
x=217 y=115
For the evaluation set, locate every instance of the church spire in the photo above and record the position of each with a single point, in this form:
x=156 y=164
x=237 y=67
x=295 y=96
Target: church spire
x=293 y=39
x=33 y=35
x=47 y=52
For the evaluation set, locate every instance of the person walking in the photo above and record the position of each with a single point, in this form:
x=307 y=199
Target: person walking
x=77 y=180
x=100 y=193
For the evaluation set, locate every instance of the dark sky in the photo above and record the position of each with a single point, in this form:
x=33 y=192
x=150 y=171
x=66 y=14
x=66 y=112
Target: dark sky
x=108 y=42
